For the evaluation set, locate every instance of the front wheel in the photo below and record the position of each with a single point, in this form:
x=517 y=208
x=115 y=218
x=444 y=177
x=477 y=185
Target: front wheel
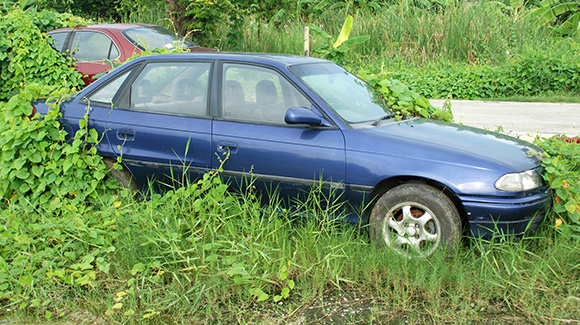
x=415 y=220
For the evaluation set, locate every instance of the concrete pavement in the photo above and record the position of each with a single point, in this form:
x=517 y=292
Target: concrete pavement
x=524 y=120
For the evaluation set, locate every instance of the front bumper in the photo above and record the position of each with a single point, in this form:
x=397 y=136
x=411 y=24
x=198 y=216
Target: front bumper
x=488 y=217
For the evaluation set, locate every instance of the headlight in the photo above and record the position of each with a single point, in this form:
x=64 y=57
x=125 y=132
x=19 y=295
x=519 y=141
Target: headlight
x=522 y=181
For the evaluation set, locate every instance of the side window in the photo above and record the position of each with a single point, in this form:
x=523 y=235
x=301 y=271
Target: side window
x=58 y=40
x=257 y=94
x=90 y=46
x=172 y=88
x=104 y=95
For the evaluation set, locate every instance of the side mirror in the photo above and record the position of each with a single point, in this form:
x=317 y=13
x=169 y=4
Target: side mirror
x=302 y=115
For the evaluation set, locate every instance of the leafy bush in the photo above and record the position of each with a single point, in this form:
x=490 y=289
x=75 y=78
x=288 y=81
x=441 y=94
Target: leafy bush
x=37 y=165
x=336 y=50
x=403 y=100
x=49 y=189
x=26 y=57
x=533 y=74
x=563 y=174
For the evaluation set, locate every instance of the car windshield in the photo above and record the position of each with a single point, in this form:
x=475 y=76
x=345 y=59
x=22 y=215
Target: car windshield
x=156 y=37
x=351 y=98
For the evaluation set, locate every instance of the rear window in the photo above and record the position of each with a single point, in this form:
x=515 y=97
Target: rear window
x=156 y=37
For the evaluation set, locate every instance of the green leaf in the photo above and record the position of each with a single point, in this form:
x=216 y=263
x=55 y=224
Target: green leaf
x=356 y=40
x=259 y=294
x=137 y=268
x=344 y=32
x=37 y=170
x=285 y=292
x=571 y=207
x=319 y=31
x=66 y=165
x=22 y=173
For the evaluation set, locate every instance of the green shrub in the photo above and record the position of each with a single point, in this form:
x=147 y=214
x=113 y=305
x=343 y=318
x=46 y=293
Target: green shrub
x=563 y=174
x=48 y=191
x=402 y=99
x=532 y=74
x=26 y=57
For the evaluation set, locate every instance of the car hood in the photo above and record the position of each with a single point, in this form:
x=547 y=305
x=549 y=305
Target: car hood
x=425 y=139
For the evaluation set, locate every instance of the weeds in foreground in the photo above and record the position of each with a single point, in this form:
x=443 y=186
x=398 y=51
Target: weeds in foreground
x=201 y=252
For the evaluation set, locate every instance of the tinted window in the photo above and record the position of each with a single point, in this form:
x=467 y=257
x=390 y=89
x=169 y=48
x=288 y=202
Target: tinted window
x=90 y=46
x=172 y=88
x=156 y=37
x=258 y=94
x=58 y=40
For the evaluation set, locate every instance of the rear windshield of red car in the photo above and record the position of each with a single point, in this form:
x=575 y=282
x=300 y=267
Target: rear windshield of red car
x=156 y=37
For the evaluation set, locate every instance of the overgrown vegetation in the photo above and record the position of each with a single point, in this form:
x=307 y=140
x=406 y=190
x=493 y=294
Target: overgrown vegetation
x=75 y=248
x=26 y=56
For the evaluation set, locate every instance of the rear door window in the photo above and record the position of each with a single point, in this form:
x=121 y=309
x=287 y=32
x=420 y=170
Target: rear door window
x=172 y=88
x=91 y=46
x=58 y=40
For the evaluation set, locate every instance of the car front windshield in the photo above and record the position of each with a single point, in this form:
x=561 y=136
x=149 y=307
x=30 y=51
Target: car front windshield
x=156 y=37
x=351 y=98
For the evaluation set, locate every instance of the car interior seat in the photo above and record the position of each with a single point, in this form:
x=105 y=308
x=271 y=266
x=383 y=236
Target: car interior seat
x=143 y=93
x=234 y=101
x=267 y=100
x=188 y=95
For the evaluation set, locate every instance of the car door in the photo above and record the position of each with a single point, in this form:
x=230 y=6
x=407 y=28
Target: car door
x=90 y=50
x=251 y=141
x=159 y=126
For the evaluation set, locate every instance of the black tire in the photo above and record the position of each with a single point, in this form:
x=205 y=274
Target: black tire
x=122 y=176
x=415 y=220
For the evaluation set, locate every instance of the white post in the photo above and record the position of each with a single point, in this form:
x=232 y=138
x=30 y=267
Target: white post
x=306 y=41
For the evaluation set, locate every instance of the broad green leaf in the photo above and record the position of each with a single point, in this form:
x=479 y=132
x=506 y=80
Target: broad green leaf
x=344 y=32
x=285 y=292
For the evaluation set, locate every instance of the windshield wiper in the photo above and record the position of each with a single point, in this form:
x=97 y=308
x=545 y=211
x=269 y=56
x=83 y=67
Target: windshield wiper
x=384 y=117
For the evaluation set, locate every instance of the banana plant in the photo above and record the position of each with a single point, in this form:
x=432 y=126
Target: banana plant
x=566 y=15
x=336 y=50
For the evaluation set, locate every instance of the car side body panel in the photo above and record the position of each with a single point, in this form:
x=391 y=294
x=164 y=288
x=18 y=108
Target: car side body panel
x=354 y=161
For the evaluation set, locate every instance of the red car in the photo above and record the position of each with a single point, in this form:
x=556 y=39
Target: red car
x=90 y=46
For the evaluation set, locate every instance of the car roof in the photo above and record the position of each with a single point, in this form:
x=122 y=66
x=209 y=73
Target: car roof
x=118 y=27
x=273 y=59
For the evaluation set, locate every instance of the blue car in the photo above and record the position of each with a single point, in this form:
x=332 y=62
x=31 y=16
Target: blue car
x=290 y=123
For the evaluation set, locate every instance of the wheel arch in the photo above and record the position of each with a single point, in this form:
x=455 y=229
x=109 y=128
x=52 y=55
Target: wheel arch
x=390 y=183
x=124 y=176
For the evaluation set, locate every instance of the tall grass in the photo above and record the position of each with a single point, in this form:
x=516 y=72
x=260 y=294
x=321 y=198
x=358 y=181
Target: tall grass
x=474 y=32
x=199 y=254
x=403 y=35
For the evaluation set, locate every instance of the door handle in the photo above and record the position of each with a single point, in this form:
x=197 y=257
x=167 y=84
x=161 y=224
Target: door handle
x=230 y=147
x=125 y=134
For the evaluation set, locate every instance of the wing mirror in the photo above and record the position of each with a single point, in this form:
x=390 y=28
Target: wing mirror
x=303 y=115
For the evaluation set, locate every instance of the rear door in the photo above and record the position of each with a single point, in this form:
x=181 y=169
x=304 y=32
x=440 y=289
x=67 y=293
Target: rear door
x=252 y=142
x=91 y=50
x=159 y=126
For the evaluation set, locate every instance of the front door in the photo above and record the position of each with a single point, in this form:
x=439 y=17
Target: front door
x=251 y=141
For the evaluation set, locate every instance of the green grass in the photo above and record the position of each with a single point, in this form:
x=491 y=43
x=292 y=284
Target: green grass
x=196 y=254
x=564 y=98
x=464 y=32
